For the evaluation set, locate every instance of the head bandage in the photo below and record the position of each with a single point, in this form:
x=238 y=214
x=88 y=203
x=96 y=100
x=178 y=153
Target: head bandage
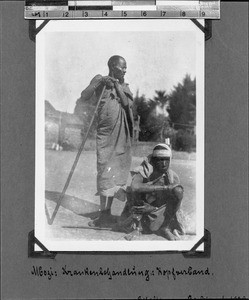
x=166 y=152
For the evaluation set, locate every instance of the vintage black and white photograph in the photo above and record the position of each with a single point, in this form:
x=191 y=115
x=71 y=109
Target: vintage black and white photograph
x=119 y=135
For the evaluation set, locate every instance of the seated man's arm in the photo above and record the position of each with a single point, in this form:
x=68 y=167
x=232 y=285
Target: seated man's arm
x=137 y=185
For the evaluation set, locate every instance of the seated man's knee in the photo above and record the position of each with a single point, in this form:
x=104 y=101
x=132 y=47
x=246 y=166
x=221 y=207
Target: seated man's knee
x=178 y=192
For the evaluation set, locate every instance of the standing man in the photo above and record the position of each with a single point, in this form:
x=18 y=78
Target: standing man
x=156 y=196
x=114 y=133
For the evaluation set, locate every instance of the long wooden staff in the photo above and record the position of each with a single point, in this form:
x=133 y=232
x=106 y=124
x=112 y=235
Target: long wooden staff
x=51 y=220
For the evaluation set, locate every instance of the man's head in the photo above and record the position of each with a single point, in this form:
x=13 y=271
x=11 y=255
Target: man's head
x=117 y=67
x=161 y=157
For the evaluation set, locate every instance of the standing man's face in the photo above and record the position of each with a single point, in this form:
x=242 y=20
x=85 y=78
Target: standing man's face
x=119 y=70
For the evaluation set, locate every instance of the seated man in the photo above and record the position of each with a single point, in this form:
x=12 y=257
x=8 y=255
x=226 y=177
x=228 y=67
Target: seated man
x=156 y=196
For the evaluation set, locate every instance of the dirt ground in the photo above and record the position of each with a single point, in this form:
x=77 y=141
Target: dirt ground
x=80 y=204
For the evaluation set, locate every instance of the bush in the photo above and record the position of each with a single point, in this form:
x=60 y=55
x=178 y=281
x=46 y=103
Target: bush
x=184 y=141
x=170 y=133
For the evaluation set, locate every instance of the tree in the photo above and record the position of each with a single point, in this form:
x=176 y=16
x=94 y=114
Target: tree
x=161 y=98
x=182 y=104
x=182 y=114
x=144 y=108
x=153 y=116
x=162 y=101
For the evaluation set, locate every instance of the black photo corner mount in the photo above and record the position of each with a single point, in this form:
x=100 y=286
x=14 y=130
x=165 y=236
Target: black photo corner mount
x=33 y=31
x=45 y=253
x=192 y=253
x=207 y=28
x=206 y=253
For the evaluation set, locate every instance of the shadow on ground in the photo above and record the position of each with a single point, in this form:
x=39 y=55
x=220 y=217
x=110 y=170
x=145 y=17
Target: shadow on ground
x=89 y=210
x=78 y=206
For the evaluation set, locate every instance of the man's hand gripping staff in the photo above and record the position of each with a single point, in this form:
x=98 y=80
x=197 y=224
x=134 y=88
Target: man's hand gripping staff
x=112 y=82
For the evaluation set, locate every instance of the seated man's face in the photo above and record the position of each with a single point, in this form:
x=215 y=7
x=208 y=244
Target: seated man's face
x=161 y=164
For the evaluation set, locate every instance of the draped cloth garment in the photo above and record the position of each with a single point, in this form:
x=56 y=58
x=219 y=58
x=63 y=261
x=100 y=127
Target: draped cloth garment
x=113 y=141
x=165 y=203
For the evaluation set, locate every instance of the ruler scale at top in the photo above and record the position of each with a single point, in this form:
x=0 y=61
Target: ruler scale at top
x=121 y=9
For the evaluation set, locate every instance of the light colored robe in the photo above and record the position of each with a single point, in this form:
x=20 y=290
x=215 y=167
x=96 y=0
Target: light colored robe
x=114 y=135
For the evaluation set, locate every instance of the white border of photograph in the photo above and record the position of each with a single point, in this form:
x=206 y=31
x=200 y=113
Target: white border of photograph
x=117 y=26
